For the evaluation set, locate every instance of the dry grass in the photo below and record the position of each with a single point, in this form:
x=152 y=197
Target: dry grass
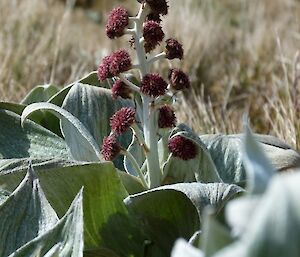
x=241 y=55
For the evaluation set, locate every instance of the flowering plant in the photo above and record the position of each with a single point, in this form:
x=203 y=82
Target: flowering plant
x=110 y=171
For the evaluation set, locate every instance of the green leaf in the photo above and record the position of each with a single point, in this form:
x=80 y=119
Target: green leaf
x=226 y=152
x=183 y=249
x=47 y=120
x=201 y=168
x=65 y=238
x=89 y=79
x=41 y=93
x=106 y=221
x=274 y=227
x=214 y=235
x=259 y=169
x=94 y=106
x=135 y=149
x=80 y=142
x=30 y=141
x=176 y=209
x=24 y=215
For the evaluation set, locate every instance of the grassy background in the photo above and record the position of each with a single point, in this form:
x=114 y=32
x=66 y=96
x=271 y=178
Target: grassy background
x=242 y=56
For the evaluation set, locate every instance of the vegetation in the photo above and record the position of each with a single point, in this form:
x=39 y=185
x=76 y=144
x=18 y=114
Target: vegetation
x=102 y=166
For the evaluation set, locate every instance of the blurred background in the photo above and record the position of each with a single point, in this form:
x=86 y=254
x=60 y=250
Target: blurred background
x=242 y=56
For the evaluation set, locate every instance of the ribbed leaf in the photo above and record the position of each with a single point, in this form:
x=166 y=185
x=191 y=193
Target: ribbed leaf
x=45 y=119
x=258 y=168
x=274 y=227
x=24 y=215
x=107 y=224
x=41 y=93
x=226 y=152
x=94 y=106
x=176 y=209
x=201 y=168
x=64 y=239
x=80 y=142
x=30 y=141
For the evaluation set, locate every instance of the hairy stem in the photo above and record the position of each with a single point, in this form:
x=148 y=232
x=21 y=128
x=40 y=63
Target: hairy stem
x=149 y=122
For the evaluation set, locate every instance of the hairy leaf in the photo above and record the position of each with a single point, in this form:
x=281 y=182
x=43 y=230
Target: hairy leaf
x=176 y=209
x=30 y=141
x=41 y=93
x=94 y=106
x=24 y=215
x=106 y=221
x=80 y=142
x=65 y=239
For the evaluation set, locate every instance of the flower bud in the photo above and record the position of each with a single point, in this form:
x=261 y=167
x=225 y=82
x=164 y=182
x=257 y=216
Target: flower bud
x=121 y=121
x=118 y=20
x=173 y=49
x=119 y=62
x=153 y=17
x=178 y=79
x=166 y=117
x=158 y=6
x=110 y=148
x=120 y=89
x=103 y=69
x=182 y=148
x=153 y=85
x=153 y=34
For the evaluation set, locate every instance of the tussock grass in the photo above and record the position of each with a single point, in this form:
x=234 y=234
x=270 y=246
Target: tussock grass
x=242 y=57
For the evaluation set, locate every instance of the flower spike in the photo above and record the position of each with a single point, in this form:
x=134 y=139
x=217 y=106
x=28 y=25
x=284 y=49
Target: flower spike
x=166 y=117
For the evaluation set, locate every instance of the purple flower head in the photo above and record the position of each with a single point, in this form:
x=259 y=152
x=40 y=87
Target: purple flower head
x=103 y=69
x=153 y=34
x=182 y=148
x=178 y=79
x=120 y=89
x=166 y=117
x=173 y=49
x=121 y=121
x=119 y=62
x=118 y=20
x=153 y=85
x=110 y=148
x=158 y=6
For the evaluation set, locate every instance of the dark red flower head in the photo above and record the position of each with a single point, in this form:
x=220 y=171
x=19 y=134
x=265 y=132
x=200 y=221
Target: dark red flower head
x=153 y=85
x=173 y=49
x=182 y=148
x=119 y=62
x=120 y=89
x=110 y=148
x=121 y=121
x=153 y=34
x=103 y=69
x=178 y=79
x=166 y=117
x=158 y=6
x=153 y=17
x=118 y=20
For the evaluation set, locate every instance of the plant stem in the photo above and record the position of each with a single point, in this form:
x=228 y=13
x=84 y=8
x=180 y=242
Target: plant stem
x=136 y=167
x=149 y=122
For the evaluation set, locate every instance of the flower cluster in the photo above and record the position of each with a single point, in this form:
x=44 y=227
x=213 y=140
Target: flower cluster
x=148 y=92
x=114 y=64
